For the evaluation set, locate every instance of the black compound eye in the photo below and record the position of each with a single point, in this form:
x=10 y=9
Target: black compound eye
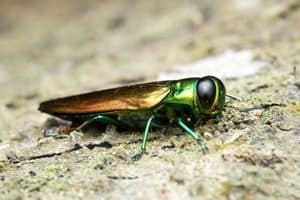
x=206 y=92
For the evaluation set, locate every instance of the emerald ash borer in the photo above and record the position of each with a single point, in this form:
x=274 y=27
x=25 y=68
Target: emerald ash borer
x=183 y=103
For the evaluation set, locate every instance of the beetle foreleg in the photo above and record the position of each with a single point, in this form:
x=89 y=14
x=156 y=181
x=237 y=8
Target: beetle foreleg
x=198 y=138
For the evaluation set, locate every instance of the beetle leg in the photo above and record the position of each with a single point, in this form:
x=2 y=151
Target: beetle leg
x=76 y=134
x=145 y=137
x=99 y=118
x=198 y=138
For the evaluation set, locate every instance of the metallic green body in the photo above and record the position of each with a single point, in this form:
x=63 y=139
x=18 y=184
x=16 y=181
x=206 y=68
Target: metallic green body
x=181 y=102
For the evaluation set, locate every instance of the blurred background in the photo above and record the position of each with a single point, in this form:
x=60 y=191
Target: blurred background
x=54 y=48
x=79 y=45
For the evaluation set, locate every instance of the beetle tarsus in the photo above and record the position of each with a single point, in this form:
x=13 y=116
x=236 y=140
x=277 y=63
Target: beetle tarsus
x=203 y=147
x=136 y=157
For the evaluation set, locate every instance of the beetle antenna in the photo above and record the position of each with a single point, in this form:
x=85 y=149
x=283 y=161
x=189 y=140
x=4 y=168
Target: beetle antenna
x=234 y=97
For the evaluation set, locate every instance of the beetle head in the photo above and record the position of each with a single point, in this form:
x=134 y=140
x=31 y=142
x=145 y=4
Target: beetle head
x=210 y=96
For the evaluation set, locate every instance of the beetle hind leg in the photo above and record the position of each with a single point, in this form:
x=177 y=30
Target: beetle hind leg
x=97 y=118
x=198 y=138
x=77 y=133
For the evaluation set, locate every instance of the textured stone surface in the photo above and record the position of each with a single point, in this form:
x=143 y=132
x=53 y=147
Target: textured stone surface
x=56 y=48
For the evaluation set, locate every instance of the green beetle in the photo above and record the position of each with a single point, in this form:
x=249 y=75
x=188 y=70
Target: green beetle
x=182 y=103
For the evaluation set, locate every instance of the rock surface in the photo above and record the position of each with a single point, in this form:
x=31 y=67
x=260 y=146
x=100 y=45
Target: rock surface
x=57 y=48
